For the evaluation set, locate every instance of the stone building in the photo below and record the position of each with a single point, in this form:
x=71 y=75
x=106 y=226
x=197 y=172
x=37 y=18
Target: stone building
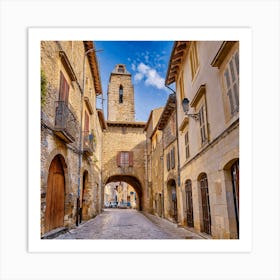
x=154 y=163
x=168 y=125
x=70 y=127
x=207 y=92
x=123 y=139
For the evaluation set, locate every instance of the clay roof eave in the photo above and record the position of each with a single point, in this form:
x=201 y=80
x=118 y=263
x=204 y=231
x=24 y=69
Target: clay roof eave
x=178 y=54
x=94 y=67
x=167 y=112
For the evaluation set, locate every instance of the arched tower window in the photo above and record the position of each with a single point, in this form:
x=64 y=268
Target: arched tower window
x=121 y=69
x=121 y=94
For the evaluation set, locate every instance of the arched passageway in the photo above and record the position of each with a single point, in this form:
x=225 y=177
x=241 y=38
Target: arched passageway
x=131 y=180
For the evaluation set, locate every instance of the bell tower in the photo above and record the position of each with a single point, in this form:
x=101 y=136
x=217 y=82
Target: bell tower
x=120 y=105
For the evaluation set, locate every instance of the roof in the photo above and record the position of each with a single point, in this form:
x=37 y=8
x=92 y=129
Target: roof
x=101 y=119
x=120 y=69
x=169 y=108
x=151 y=116
x=178 y=53
x=93 y=67
x=126 y=124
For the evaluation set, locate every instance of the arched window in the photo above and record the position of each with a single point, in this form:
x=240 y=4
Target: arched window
x=121 y=69
x=121 y=94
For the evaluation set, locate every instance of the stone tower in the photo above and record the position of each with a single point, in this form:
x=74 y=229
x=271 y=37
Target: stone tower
x=120 y=96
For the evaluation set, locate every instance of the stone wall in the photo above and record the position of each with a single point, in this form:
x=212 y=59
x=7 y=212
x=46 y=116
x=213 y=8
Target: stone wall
x=124 y=111
x=124 y=138
x=52 y=145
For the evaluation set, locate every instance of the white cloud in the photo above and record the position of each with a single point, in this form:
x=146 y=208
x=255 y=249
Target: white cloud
x=133 y=67
x=143 y=68
x=138 y=77
x=149 y=75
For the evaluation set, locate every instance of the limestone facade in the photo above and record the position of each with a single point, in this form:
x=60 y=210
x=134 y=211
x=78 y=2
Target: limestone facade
x=68 y=116
x=207 y=82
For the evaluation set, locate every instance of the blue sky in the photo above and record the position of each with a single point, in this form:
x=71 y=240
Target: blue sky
x=147 y=61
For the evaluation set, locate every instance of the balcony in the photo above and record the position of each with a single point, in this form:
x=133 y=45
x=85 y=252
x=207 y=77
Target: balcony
x=88 y=143
x=66 y=125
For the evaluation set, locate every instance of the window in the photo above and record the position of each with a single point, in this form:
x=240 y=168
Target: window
x=86 y=124
x=202 y=124
x=168 y=161
x=121 y=94
x=172 y=155
x=63 y=89
x=187 y=145
x=121 y=69
x=231 y=82
x=125 y=159
x=193 y=59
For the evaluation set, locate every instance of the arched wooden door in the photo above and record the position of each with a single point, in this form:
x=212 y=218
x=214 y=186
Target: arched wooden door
x=54 y=216
x=205 y=203
x=189 y=203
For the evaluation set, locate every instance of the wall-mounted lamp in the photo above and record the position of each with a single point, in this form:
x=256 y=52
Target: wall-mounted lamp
x=185 y=105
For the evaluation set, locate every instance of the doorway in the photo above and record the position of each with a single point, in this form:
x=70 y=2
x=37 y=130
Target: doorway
x=189 y=203
x=54 y=215
x=205 y=203
x=235 y=190
x=172 y=199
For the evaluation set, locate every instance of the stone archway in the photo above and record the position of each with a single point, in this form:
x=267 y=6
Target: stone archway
x=131 y=180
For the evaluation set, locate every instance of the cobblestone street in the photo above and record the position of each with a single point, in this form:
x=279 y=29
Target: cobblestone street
x=128 y=224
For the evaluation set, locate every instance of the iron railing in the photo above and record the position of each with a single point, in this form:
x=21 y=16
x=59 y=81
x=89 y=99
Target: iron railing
x=65 y=120
x=88 y=142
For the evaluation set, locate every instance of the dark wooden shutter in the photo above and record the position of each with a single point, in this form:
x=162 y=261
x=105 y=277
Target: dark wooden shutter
x=63 y=89
x=86 y=125
x=130 y=163
x=173 y=158
x=119 y=159
x=168 y=161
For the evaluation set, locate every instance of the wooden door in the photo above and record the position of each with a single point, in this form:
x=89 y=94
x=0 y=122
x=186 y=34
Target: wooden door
x=83 y=197
x=54 y=216
x=205 y=204
x=189 y=203
x=174 y=202
x=235 y=187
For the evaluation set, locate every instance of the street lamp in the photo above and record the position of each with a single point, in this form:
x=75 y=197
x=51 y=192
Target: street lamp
x=185 y=105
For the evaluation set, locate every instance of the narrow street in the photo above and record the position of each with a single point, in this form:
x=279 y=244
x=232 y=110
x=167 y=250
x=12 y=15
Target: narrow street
x=128 y=224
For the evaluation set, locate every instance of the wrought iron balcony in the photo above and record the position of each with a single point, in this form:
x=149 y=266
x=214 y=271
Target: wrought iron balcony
x=66 y=124
x=88 y=143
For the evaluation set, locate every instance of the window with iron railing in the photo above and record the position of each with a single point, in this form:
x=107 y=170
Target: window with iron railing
x=65 y=119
